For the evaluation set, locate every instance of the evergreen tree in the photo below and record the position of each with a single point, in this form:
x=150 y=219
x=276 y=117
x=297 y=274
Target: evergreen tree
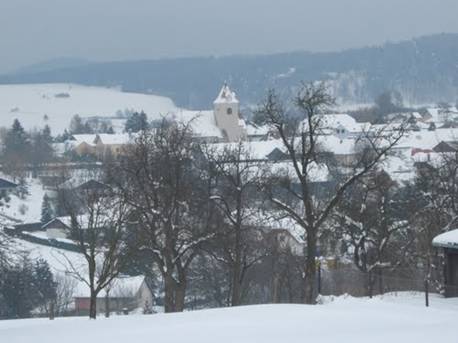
x=16 y=139
x=16 y=147
x=45 y=286
x=42 y=149
x=77 y=126
x=136 y=122
x=47 y=212
x=18 y=291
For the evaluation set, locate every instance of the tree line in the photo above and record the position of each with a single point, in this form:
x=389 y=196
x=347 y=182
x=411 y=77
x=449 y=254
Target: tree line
x=212 y=224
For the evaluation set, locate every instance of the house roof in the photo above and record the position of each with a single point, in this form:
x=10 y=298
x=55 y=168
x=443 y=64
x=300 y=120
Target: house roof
x=447 y=240
x=116 y=138
x=5 y=184
x=82 y=220
x=334 y=121
x=252 y=150
x=88 y=139
x=446 y=147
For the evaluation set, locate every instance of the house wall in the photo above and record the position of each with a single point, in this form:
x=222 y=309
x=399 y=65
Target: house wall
x=451 y=273
x=102 y=149
x=84 y=149
x=115 y=304
x=144 y=297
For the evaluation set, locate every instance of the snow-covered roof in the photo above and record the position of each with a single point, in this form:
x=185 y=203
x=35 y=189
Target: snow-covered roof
x=202 y=122
x=226 y=96
x=316 y=172
x=426 y=139
x=116 y=138
x=400 y=168
x=336 y=145
x=254 y=130
x=253 y=150
x=334 y=121
x=447 y=240
x=85 y=138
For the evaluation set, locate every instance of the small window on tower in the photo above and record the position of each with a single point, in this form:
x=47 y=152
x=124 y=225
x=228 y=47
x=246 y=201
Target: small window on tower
x=229 y=110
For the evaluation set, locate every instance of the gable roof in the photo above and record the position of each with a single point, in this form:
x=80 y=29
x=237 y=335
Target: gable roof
x=83 y=138
x=115 y=138
x=334 y=121
x=447 y=240
x=446 y=147
x=5 y=184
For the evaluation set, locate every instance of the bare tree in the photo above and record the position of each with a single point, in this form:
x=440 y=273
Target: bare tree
x=374 y=226
x=300 y=136
x=97 y=217
x=160 y=178
x=235 y=192
x=435 y=199
x=66 y=288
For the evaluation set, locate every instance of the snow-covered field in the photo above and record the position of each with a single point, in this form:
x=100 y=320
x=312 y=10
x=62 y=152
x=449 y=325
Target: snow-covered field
x=26 y=209
x=59 y=102
x=343 y=320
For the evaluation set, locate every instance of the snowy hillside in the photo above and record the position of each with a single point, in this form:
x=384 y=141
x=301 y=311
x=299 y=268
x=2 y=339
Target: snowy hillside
x=25 y=208
x=346 y=320
x=59 y=102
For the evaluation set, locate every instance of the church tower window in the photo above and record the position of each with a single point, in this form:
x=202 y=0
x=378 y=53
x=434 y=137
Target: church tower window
x=229 y=110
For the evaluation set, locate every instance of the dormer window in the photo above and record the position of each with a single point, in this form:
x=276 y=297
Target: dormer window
x=229 y=110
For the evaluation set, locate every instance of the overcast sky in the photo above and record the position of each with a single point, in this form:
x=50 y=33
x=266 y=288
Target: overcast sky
x=37 y=30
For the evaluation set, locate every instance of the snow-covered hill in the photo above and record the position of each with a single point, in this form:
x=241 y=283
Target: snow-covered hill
x=346 y=320
x=59 y=102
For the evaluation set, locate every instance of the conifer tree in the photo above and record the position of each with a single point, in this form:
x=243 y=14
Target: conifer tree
x=47 y=212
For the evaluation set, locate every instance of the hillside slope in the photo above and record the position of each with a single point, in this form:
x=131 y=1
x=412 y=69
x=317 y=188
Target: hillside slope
x=423 y=69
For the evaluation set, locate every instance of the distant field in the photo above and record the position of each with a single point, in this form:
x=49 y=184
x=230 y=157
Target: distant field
x=59 y=102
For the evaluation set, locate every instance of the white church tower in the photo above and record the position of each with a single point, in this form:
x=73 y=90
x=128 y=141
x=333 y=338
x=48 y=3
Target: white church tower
x=226 y=109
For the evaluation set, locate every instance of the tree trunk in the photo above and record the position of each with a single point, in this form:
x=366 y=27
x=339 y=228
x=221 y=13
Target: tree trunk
x=380 y=281
x=236 y=285
x=180 y=294
x=237 y=267
x=93 y=305
x=275 y=288
x=107 y=305
x=175 y=294
x=169 y=290
x=370 y=284
x=51 y=310
x=310 y=269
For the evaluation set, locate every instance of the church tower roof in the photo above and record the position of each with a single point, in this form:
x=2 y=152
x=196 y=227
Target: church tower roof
x=226 y=96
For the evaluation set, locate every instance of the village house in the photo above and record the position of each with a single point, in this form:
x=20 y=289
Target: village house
x=125 y=294
x=100 y=144
x=6 y=187
x=342 y=125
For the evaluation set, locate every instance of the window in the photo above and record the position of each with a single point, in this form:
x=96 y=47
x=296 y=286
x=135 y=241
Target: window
x=229 y=110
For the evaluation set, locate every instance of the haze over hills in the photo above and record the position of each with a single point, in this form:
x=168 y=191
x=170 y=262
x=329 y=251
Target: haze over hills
x=424 y=70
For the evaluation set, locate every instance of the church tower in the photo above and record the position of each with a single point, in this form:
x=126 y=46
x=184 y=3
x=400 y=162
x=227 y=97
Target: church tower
x=226 y=109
